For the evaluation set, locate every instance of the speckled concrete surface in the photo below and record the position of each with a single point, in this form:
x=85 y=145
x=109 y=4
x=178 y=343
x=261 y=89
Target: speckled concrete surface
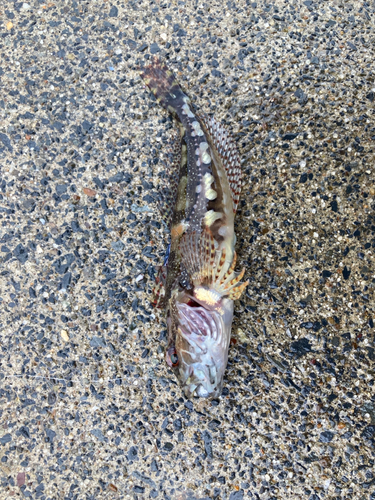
x=88 y=410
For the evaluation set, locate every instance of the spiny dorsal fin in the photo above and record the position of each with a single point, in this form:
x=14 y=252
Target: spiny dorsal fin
x=205 y=265
x=227 y=149
x=169 y=190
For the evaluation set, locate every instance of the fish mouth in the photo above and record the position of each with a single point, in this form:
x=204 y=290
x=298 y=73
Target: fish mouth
x=202 y=338
x=199 y=321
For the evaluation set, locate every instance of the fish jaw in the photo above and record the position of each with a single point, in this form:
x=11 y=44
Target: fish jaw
x=201 y=342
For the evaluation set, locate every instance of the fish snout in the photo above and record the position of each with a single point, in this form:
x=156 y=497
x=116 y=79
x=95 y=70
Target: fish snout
x=205 y=392
x=202 y=392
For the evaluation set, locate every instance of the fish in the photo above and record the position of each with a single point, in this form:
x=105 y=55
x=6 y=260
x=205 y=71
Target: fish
x=197 y=283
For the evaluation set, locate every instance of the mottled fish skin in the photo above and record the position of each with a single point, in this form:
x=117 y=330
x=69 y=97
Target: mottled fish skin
x=198 y=284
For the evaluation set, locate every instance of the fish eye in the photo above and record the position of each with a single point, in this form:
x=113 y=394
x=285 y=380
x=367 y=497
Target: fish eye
x=192 y=303
x=172 y=357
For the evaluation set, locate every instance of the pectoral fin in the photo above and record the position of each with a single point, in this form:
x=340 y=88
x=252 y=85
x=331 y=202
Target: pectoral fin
x=159 y=299
x=206 y=267
x=198 y=255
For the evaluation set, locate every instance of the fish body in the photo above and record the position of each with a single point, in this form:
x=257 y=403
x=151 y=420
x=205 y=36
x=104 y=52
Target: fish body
x=197 y=283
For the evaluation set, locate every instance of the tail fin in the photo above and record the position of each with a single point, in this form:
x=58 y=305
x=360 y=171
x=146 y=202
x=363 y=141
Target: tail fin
x=163 y=84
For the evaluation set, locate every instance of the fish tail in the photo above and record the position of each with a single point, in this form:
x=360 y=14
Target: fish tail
x=163 y=84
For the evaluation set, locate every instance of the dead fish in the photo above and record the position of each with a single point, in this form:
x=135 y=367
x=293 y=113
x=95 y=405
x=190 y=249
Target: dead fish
x=198 y=283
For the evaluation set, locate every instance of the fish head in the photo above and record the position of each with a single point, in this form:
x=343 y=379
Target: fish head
x=199 y=333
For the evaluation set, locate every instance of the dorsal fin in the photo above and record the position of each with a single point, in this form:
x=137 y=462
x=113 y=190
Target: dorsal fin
x=227 y=149
x=205 y=265
x=168 y=193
